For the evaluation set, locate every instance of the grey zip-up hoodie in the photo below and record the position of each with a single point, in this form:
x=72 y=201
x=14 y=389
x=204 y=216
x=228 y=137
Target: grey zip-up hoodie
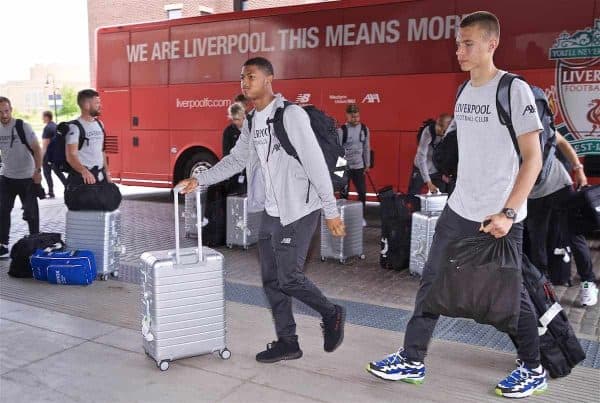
x=299 y=189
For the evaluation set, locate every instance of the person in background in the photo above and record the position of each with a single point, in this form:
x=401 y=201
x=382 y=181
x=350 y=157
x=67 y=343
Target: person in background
x=549 y=196
x=355 y=138
x=231 y=134
x=48 y=167
x=424 y=172
x=20 y=173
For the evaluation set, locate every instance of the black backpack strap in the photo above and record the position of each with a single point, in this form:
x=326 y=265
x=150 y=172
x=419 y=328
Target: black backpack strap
x=103 y=133
x=281 y=133
x=344 y=134
x=21 y=133
x=363 y=133
x=461 y=88
x=433 y=134
x=82 y=138
x=249 y=118
x=503 y=106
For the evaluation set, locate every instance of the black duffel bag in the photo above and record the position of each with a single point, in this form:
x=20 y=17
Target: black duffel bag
x=480 y=280
x=20 y=253
x=560 y=350
x=100 y=196
x=584 y=210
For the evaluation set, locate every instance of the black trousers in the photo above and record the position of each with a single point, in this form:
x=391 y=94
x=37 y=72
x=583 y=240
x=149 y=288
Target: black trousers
x=357 y=176
x=48 y=168
x=451 y=227
x=282 y=251
x=9 y=190
x=417 y=182
x=539 y=212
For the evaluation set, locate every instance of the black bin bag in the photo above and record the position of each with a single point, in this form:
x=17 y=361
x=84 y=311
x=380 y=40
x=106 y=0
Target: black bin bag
x=481 y=279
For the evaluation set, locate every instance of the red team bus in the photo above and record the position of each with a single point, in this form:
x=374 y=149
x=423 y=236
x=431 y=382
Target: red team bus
x=166 y=85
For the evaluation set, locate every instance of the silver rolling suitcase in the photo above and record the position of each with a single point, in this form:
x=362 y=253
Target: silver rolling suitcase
x=242 y=226
x=433 y=202
x=421 y=236
x=183 y=301
x=99 y=232
x=341 y=248
x=190 y=216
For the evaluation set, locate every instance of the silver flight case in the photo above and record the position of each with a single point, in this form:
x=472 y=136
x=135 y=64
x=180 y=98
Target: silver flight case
x=341 y=248
x=242 y=226
x=99 y=232
x=421 y=236
x=183 y=301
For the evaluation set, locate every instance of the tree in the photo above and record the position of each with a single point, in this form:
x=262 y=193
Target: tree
x=69 y=99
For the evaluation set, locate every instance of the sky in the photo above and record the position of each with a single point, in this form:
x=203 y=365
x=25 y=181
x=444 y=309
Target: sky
x=42 y=31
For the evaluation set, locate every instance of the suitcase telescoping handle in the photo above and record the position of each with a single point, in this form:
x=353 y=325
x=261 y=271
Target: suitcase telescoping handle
x=176 y=191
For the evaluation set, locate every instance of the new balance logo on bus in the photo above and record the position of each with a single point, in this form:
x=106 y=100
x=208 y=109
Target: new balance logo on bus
x=528 y=109
x=371 y=98
x=303 y=98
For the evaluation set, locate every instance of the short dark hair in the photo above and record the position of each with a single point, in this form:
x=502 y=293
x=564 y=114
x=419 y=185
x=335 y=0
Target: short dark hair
x=486 y=21
x=47 y=114
x=241 y=98
x=84 y=95
x=262 y=64
x=4 y=99
x=352 y=108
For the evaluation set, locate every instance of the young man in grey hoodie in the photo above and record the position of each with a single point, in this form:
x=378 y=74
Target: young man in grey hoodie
x=291 y=193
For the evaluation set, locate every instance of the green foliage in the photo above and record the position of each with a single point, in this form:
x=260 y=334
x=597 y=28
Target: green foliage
x=69 y=99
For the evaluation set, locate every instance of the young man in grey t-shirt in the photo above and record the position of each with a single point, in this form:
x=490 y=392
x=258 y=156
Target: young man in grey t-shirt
x=549 y=197
x=88 y=163
x=491 y=185
x=21 y=169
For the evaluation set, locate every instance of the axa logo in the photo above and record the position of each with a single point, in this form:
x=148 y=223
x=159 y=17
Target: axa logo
x=371 y=98
x=303 y=98
x=528 y=109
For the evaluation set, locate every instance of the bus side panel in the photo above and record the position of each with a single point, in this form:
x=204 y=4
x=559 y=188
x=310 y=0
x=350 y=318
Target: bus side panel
x=112 y=69
x=115 y=117
x=200 y=106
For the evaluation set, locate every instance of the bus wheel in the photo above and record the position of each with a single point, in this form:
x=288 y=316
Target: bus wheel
x=197 y=163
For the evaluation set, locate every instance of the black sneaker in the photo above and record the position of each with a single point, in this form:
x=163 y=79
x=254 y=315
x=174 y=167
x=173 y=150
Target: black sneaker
x=280 y=350
x=333 y=329
x=3 y=251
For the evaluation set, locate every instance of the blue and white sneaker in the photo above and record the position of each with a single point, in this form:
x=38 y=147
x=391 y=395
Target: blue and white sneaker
x=523 y=382
x=395 y=367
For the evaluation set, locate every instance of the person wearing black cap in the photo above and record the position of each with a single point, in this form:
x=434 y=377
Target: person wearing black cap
x=355 y=138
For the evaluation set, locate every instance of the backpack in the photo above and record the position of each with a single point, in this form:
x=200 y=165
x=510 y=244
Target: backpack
x=20 y=266
x=429 y=123
x=57 y=148
x=21 y=133
x=363 y=133
x=547 y=136
x=445 y=154
x=325 y=131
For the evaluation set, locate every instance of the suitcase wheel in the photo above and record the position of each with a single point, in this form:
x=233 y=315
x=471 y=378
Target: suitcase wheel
x=225 y=354
x=230 y=246
x=163 y=365
x=104 y=277
x=322 y=258
x=343 y=261
x=362 y=257
x=115 y=274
